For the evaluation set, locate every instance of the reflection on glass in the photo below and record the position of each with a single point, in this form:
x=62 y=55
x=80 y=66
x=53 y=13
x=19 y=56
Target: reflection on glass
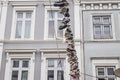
x=107 y=30
x=24 y=75
x=97 y=19
x=100 y=71
x=51 y=14
x=15 y=63
x=50 y=75
x=106 y=19
x=27 y=29
x=60 y=75
x=19 y=14
x=110 y=71
x=28 y=14
x=60 y=15
x=60 y=63
x=18 y=29
x=14 y=75
x=59 y=32
x=51 y=29
x=50 y=63
x=25 y=64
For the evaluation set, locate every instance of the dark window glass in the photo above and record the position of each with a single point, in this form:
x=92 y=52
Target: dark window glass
x=24 y=75
x=15 y=63
x=60 y=75
x=14 y=75
x=50 y=75
x=25 y=64
x=110 y=71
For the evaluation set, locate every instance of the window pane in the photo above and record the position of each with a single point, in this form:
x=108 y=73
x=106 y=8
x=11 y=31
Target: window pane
x=60 y=75
x=59 y=15
x=24 y=75
x=107 y=29
x=101 y=78
x=25 y=64
x=106 y=20
x=60 y=63
x=15 y=63
x=14 y=75
x=19 y=14
x=50 y=63
x=51 y=14
x=96 y=19
x=18 y=29
x=28 y=14
x=59 y=32
x=51 y=29
x=27 y=29
x=110 y=71
x=97 y=31
x=50 y=75
x=111 y=78
x=100 y=71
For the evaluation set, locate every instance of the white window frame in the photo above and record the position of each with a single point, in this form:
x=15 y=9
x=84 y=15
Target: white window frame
x=48 y=8
x=19 y=54
x=104 y=62
x=53 y=54
x=23 y=8
x=20 y=68
x=105 y=72
x=102 y=24
x=113 y=25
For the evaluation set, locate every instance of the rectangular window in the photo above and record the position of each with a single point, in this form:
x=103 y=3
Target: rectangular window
x=20 y=69
x=55 y=69
x=54 y=21
x=23 y=24
x=105 y=72
x=102 y=27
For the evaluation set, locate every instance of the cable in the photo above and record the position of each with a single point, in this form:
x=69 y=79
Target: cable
x=89 y=75
x=51 y=11
x=55 y=35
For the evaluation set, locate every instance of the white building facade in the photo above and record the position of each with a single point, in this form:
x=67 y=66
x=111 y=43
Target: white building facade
x=32 y=47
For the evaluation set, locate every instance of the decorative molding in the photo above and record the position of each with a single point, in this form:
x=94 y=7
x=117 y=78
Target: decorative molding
x=102 y=58
x=53 y=50
x=4 y=3
x=16 y=3
x=20 y=50
x=96 y=6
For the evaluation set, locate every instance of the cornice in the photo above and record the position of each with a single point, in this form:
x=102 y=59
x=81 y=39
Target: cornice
x=100 y=5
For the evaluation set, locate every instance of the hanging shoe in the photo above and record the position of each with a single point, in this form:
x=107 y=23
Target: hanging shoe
x=60 y=4
x=63 y=26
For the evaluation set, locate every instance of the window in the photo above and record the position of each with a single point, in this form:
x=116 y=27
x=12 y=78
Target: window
x=20 y=69
x=103 y=67
x=105 y=72
x=102 y=27
x=54 y=21
x=55 y=69
x=20 y=64
x=23 y=23
x=54 y=66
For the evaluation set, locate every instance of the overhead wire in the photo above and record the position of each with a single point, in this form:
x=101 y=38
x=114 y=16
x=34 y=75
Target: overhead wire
x=51 y=12
x=56 y=41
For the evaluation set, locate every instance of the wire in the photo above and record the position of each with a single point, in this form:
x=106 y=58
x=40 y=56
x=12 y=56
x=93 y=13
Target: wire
x=89 y=75
x=51 y=11
x=59 y=57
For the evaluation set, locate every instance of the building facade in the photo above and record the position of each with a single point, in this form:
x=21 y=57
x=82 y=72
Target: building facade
x=32 y=47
